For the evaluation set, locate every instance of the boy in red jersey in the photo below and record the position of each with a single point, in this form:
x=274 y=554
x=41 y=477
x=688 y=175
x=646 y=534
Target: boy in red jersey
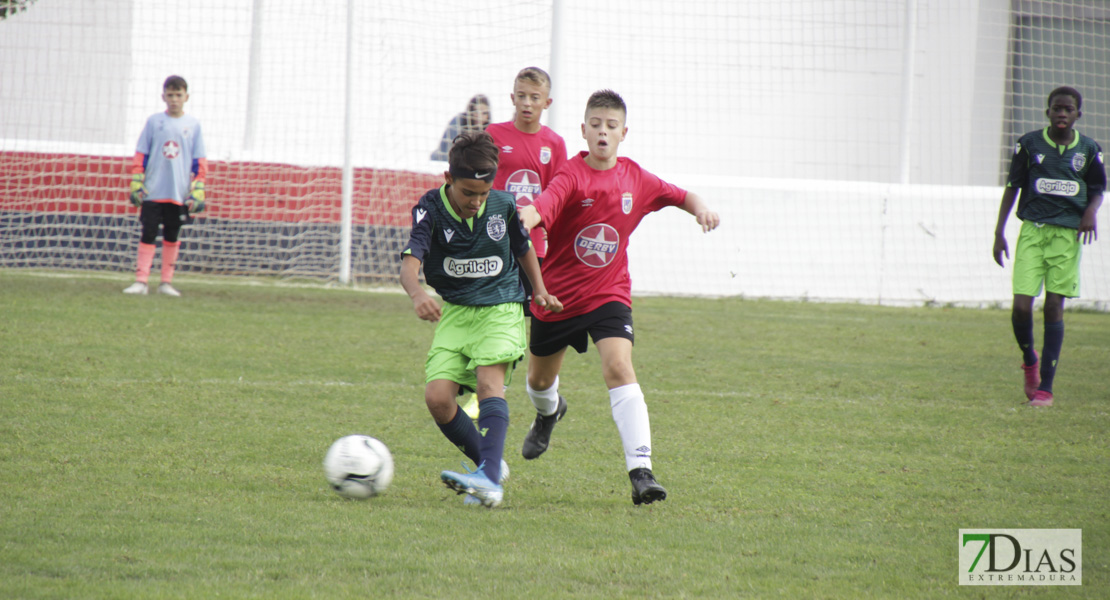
x=531 y=155
x=590 y=209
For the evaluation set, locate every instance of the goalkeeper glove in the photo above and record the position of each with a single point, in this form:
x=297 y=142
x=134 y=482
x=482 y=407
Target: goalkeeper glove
x=138 y=190
x=196 y=198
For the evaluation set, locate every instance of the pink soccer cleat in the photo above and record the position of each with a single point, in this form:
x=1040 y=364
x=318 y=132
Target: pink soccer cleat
x=1041 y=398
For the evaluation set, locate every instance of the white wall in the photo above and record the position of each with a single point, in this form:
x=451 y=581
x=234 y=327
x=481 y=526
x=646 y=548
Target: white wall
x=873 y=243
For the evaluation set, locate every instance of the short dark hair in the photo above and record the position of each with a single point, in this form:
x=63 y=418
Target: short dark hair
x=175 y=82
x=1065 y=90
x=473 y=151
x=606 y=99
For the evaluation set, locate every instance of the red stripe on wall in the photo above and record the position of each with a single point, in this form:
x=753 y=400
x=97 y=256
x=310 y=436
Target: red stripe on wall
x=253 y=191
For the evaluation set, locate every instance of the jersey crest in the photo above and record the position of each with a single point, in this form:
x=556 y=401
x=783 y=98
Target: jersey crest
x=596 y=245
x=626 y=202
x=545 y=155
x=1078 y=161
x=171 y=149
x=496 y=227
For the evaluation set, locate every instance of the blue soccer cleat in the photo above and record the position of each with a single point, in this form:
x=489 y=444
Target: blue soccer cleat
x=476 y=484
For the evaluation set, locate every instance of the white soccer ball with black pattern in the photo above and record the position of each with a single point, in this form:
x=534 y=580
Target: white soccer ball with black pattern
x=358 y=466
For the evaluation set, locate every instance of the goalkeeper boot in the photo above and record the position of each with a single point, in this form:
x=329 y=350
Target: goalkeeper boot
x=645 y=489
x=476 y=484
x=168 y=290
x=539 y=435
x=138 y=288
x=1032 y=377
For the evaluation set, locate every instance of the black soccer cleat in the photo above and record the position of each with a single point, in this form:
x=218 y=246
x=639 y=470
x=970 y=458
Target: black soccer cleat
x=645 y=489
x=539 y=435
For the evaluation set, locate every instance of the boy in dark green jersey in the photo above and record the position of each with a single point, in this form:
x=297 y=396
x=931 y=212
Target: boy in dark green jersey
x=1061 y=177
x=471 y=244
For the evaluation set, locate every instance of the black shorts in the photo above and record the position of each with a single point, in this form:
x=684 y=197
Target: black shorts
x=613 y=319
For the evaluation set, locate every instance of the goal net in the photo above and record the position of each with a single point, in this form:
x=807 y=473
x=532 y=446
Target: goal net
x=855 y=149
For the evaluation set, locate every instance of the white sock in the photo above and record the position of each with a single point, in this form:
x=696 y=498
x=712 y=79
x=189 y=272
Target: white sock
x=545 y=401
x=631 y=416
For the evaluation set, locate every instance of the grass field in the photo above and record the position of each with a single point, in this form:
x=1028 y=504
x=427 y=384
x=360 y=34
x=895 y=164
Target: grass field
x=153 y=447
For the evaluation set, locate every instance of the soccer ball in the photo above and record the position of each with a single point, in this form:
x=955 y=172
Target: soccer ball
x=358 y=466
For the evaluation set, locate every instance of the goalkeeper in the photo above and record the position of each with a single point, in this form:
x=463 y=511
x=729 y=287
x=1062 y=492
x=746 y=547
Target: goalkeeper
x=471 y=244
x=167 y=183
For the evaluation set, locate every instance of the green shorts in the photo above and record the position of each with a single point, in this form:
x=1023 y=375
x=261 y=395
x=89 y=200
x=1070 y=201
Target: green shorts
x=468 y=337
x=1047 y=255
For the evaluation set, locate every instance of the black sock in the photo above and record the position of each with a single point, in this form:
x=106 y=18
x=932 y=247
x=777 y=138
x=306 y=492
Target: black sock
x=460 y=431
x=1050 y=354
x=493 y=423
x=1023 y=332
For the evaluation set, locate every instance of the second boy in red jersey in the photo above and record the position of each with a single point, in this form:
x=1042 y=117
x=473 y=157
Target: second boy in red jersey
x=531 y=153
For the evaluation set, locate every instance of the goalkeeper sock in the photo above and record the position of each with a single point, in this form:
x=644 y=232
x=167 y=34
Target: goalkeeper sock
x=146 y=258
x=460 y=431
x=545 y=401
x=493 y=423
x=169 y=259
x=631 y=416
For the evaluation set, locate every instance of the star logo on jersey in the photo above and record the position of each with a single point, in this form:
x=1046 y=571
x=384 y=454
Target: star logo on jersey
x=545 y=155
x=448 y=233
x=1078 y=161
x=596 y=245
x=626 y=202
x=420 y=214
x=170 y=150
x=524 y=185
x=496 y=227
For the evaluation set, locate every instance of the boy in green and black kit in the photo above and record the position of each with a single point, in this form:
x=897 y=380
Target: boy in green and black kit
x=1061 y=177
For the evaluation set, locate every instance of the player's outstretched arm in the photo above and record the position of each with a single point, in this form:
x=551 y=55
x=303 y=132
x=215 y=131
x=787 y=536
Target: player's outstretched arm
x=530 y=217
x=1009 y=196
x=694 y=205
x=425 y=306
x=531 y=267
x=1088 y=226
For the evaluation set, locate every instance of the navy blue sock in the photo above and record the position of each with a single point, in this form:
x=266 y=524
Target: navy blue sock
x=1050 y=354
x=460 y=431
x=493 y=423
x=1023 y=332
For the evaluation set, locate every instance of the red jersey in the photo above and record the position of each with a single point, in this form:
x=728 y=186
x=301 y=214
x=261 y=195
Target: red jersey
x=528 y=162
x=590 y=215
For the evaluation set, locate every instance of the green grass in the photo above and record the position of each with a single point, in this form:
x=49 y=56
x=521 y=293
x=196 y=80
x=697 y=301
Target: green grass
x=170 y=448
